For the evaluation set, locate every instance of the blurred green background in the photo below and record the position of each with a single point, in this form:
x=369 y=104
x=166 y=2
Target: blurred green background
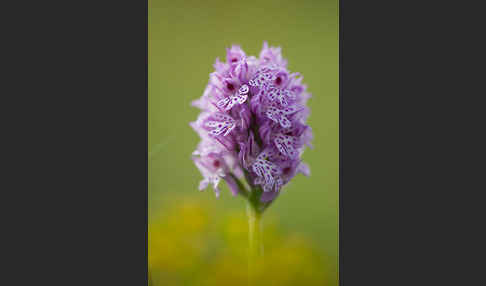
x=184 y=39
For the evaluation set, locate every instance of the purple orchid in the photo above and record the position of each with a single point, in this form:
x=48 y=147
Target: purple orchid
x=252 y=125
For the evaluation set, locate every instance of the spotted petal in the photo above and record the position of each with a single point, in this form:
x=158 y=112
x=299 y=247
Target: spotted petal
x=286 y=145
x=244 y=89
x=228 y=102
x=240 y=98
x=281 y=94
x=262 y=78
x=225 y=103
x=222 y=124
x=278 y=116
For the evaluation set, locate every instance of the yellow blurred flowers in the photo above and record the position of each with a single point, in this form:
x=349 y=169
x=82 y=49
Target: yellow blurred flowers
x=190 y=245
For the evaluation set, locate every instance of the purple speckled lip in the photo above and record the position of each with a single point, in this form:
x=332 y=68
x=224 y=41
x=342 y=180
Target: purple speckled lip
x=252 y=123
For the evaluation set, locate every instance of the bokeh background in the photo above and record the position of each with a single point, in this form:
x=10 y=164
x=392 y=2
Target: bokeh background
x=194 y=238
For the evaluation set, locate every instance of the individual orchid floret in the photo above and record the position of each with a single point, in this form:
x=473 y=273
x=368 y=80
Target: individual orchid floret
x=220 y=124
x=252 y=124
x=234 y=55
x=238 y=97
x=212 y=168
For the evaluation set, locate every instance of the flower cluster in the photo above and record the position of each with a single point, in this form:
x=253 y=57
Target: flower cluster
x=252 y=123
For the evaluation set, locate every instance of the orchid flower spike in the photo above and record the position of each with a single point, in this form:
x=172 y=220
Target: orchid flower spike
x=252 y=125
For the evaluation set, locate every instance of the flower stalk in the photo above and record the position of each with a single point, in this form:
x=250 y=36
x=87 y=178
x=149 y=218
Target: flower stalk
x=255 y=255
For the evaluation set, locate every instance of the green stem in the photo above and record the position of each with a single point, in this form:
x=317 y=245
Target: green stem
x=255 y=255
